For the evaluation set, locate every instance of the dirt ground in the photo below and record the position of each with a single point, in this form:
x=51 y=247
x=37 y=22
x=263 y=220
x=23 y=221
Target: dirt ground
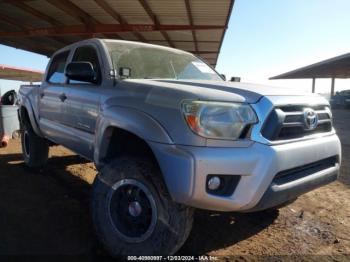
x=47 y=213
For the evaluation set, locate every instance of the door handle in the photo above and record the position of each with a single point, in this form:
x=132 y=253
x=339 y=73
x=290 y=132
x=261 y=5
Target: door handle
x=62 y=97
x=42 y=95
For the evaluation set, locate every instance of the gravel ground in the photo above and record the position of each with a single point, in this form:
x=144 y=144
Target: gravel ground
x=47 y=213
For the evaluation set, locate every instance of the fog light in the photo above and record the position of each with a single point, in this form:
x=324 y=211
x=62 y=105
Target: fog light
x=214 y=183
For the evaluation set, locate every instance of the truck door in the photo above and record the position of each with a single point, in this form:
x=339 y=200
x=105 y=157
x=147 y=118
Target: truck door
x=83 y=103
x=51 y=97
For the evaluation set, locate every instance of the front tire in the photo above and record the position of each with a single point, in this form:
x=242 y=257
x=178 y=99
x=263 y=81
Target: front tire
x=132 y=212
x=35 y=149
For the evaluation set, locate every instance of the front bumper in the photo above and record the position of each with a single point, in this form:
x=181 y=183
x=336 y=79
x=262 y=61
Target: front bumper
x=185 y=170
x=286 y=188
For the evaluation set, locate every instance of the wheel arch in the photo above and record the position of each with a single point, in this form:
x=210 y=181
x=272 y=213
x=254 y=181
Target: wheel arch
x=118 y=142
x=133 y=121
x=26 y=115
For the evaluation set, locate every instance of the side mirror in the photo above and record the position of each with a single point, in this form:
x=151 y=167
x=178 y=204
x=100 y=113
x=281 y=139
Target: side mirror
x=235 y=79
x=223 y=76
x=81 y=71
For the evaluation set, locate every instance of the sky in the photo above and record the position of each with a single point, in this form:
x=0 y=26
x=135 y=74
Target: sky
x=264 y=38
x=269 y=37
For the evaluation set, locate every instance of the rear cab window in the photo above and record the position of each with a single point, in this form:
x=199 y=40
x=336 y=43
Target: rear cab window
x=55 y=73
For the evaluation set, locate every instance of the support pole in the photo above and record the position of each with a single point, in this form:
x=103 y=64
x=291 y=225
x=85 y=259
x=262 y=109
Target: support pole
x=313 y=84
x=332 y=87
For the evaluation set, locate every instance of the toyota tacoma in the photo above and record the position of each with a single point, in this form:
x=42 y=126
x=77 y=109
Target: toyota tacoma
x=167 y=135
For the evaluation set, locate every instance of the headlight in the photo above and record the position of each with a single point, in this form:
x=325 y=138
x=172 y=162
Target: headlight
x=219 y=120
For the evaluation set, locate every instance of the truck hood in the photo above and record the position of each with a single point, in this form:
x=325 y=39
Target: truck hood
x=219 y=90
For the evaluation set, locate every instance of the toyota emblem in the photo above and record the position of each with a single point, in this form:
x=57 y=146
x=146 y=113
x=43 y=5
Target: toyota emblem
x=310 y=118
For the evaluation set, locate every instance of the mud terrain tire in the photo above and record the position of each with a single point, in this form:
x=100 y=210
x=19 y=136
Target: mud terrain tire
x=35 y=149
x=132 y=212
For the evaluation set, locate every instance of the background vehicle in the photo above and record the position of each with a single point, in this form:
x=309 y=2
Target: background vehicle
x=167 y=135
x=9 y=124
x=341 y=99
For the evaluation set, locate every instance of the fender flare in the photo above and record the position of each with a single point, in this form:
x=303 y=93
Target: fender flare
x=132 y=120
x=26 y=104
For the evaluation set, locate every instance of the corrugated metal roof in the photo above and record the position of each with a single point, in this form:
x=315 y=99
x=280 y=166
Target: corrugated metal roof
x=93 y=9
x=55 y=13
x=176 y=15
x=132 y=11
x=43 y=26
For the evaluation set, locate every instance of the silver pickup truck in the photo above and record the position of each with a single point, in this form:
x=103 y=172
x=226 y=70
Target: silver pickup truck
x=167 y=134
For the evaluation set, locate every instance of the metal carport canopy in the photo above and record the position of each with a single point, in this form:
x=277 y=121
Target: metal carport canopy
x=43 y=26
x=336 y=67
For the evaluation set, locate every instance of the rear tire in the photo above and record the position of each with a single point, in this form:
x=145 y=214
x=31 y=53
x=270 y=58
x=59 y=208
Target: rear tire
x=133 y=213
x=35 y=149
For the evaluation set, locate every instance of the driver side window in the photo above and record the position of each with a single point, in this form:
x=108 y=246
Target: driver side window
x=87 y=54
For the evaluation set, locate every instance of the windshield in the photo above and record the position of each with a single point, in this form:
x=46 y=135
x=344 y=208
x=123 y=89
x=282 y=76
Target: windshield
x=148 y=62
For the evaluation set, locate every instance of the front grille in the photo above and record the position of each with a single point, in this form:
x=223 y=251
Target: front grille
x=288 y=122
x=305 y=170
